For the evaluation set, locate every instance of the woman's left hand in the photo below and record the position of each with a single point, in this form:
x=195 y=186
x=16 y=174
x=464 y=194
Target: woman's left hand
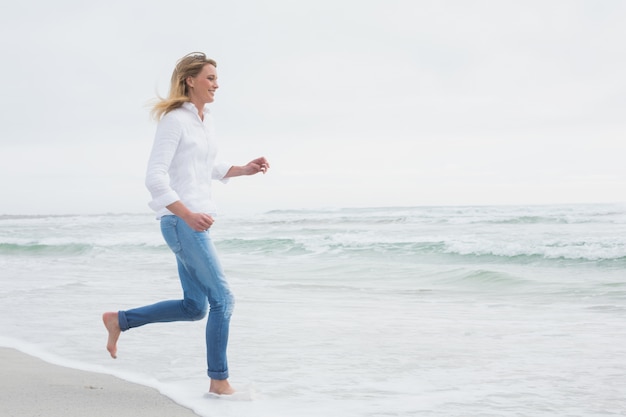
x=255 y=166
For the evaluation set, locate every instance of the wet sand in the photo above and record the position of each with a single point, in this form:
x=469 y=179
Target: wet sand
x=30 y=387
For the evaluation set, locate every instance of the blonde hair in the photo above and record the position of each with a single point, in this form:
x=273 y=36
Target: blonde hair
x=188 y=66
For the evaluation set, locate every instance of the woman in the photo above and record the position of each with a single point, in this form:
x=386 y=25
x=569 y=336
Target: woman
x=181 y=166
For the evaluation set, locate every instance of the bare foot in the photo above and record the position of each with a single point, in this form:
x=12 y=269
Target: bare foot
x=221 y=387
x=113 y=327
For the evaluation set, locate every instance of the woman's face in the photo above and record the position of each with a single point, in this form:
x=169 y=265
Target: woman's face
x=202 y=87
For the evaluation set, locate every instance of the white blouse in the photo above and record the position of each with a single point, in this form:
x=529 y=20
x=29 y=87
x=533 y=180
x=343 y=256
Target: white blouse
x=183 y=162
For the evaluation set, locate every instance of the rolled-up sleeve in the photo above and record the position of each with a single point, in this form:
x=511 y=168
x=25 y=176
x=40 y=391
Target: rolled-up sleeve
x=166 y=140
x=220 y=169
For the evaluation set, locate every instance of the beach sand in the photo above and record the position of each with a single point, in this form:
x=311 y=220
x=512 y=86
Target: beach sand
x=30 y=387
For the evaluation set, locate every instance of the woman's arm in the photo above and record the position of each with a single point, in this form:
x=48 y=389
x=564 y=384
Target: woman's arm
x=197 y=221
x=157 y=181
x=202 y=221
x=253 y=167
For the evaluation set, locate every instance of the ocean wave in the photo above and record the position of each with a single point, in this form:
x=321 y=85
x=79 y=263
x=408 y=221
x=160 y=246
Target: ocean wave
x=489 y=215
x=73 y=249
x=409 y=251
x=500 y=249
x=34 y=216
x=41 y=249
x=263 y=246
x=526 y=258
x=557 y=219
x=498 y=234
x=555 y=250
x=530 y=220
x=422 y=251
x=483 y=278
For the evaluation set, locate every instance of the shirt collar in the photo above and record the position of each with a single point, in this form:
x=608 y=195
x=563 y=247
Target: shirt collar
x=192 y=107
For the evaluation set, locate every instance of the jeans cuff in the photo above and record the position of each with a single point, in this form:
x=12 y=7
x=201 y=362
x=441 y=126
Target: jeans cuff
x=220 y=376
x=121 y=318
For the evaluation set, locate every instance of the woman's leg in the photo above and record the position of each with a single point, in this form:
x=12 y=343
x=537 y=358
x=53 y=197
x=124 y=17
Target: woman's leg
x=192 y=307
x=198 y=257
x=202 y=279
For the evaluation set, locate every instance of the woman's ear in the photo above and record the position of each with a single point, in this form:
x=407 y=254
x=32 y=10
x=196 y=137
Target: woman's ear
x=189 y=82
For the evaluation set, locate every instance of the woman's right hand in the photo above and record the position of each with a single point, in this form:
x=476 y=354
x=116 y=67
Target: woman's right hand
x=199 y=222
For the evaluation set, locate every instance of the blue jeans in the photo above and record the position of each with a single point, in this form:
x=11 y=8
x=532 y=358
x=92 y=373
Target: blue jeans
x=203 y=282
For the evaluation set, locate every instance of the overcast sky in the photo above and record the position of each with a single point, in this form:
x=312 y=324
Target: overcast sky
x=354 y=102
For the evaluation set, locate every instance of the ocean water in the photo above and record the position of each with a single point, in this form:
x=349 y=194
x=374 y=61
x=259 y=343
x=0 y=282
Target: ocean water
x=416 y=311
